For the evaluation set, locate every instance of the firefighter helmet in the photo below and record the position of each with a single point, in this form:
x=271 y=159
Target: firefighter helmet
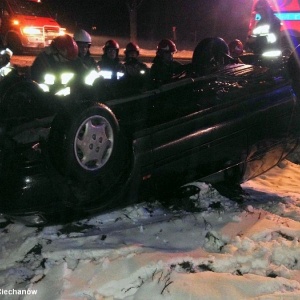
x=111 y=44
x=236 y=48
x=132 y=47
x=166 y=45
x=82 y=36
x=66 y=46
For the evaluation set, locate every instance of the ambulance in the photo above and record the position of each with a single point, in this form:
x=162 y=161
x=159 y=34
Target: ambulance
x=288 y=11
x=26 y=24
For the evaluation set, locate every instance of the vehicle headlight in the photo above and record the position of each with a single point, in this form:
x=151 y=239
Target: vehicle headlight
x=62 y=31
x=32 y=30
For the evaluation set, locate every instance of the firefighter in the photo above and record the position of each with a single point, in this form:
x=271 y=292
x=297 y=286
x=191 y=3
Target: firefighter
x=110 y=61
x=236 y=48
x=266 y=34
x=59 y=57
x=164 y=68
x=133 y=66
x=210 y=55
x=84 y=41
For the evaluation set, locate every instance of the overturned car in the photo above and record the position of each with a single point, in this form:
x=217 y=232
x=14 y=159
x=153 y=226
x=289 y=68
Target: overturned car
x=69 y=154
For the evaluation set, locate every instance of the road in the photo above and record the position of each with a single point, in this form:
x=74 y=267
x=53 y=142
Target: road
x=27 y=60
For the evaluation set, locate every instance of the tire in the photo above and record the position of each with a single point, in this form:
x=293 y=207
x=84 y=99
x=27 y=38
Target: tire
x=22 y=99
x=87 y=147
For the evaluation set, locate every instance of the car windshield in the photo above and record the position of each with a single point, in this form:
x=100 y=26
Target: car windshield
x=29 y=8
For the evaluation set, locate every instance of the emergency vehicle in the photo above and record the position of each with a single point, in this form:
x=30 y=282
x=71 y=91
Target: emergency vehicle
x=26 y=24
x=288 y=11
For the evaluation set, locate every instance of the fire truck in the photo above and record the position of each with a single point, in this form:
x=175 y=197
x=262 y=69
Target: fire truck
x=26 y=24
x=288 y=11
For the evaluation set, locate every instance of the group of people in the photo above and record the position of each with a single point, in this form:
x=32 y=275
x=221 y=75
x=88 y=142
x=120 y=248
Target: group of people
x=72 y=53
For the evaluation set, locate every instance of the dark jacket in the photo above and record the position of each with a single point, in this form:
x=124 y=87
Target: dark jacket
x=162 y=72
x=45 y=62
x=134 y=67
x=89 y=61
x=114 y=66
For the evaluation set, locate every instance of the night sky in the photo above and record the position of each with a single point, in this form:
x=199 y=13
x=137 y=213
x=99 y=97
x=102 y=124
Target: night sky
x=194 y=19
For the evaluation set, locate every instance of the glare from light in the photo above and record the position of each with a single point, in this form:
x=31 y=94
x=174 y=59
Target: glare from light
x=15 y=22
x=62 y=31
x=66 y=77
x=44 y=87
x=119 y=75
x=5 y=70
x=49 y=79
x=91 y=77
x=106 y=74
x=64 y=92
x=262 y=30
x=273 y=53
x=32 y=31
x=271 y=38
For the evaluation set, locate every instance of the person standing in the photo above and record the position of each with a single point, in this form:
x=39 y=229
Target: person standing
x=265 y=36
x=84 y=41
x=110 y=61
x=60 y=56
x=164 y=68
x=133 y=66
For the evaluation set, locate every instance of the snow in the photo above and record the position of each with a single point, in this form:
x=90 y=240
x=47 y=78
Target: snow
x=246 y=250
x=222 y=250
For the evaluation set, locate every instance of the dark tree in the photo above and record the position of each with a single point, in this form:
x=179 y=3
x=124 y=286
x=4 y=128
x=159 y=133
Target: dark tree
x=133 y=6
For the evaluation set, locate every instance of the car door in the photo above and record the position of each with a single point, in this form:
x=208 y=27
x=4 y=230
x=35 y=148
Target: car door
x=198 y=132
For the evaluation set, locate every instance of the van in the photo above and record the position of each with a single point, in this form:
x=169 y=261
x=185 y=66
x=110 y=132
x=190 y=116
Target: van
x=26 y=24
x=288 y=11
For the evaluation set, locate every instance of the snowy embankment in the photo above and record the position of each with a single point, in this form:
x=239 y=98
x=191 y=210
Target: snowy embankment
x=225 y=250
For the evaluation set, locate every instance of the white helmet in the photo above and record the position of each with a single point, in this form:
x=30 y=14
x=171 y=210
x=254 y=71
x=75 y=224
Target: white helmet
x=82 y=36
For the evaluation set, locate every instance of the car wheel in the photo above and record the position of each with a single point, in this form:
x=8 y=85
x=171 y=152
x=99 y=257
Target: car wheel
x=86 y=144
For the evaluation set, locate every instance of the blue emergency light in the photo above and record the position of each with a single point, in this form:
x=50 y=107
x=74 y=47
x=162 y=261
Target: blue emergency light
x=283 y=16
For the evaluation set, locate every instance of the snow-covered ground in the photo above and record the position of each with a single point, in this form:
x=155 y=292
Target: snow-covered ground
x=226 y=250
